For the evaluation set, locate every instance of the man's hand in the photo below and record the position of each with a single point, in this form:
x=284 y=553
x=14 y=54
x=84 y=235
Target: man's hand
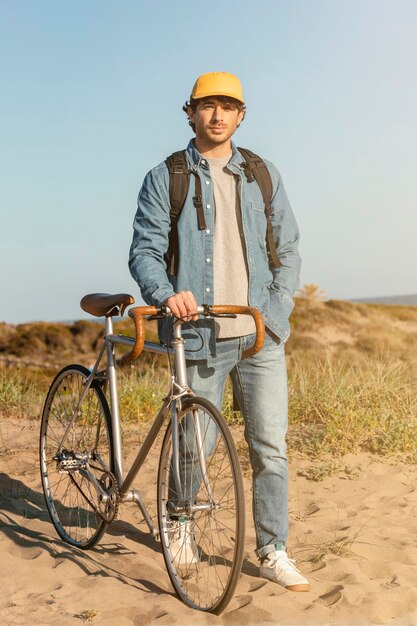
x=183 y=305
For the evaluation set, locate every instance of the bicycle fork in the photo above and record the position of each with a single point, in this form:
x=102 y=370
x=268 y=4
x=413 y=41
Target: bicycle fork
x=195 y=425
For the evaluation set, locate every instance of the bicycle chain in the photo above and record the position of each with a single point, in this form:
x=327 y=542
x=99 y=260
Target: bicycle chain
x=113 y=514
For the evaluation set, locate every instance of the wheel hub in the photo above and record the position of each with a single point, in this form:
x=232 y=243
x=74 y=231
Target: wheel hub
x=67 y=460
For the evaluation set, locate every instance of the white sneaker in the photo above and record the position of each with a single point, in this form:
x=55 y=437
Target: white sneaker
x=278 y=568
x=182 y=544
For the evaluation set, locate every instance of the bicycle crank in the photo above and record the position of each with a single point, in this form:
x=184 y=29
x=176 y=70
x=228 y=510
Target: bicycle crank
x=109 y=502
x=108 y=497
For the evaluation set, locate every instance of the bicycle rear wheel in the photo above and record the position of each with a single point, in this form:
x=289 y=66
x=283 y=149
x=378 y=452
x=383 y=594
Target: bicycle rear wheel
x=76 y=442
x=201 y=520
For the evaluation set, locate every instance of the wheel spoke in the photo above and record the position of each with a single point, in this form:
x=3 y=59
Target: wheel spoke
x=74 y=431
x=204 y=564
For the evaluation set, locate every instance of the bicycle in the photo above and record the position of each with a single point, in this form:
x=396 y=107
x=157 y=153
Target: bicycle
x=200 y=498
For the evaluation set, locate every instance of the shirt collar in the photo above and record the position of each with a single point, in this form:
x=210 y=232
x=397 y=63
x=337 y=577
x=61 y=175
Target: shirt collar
x=197 y=160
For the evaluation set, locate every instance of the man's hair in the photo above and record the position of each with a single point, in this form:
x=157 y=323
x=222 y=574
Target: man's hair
x=192 y=104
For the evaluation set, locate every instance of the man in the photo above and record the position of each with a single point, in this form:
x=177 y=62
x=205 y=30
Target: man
x=227 y=262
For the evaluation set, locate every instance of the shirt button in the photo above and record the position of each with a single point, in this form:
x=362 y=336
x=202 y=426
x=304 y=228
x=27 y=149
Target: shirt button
x=207 y=231
x=203 y=162
x=207 y=289
x=207 y=260
x=208 y=206
x=207 y=182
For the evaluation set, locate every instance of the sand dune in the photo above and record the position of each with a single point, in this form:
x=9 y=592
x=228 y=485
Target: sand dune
x=354 y=534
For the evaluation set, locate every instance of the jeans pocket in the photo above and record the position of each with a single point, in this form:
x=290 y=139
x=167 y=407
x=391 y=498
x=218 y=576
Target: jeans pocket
x=271 y=340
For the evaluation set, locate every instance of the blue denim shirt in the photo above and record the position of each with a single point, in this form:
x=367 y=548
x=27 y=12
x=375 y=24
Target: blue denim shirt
x=270 y=291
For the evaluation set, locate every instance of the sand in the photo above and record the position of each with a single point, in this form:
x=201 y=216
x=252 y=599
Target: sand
x=353 y=534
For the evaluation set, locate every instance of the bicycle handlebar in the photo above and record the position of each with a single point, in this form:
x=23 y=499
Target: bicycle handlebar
x=139 y=312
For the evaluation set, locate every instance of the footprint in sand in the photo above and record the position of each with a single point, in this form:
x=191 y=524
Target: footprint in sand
x=331 y=597
x=311 y=509
x=245 y=610
x=28 y=554
x=258 y=585
x=317 y=565
x=391 y=584
x=238 y=603
x=159 y=615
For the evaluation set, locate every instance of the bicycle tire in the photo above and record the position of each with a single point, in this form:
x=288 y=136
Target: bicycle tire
x=69 y=495
x=205 y=569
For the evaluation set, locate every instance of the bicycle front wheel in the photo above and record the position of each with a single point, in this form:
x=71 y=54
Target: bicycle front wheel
x=76 y=449
x=201 y=507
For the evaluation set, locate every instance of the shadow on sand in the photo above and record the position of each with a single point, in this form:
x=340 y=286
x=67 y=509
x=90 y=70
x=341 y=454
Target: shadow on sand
x=20 y=504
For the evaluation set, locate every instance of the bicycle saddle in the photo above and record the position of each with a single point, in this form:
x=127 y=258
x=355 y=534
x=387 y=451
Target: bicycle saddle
x=106 y=304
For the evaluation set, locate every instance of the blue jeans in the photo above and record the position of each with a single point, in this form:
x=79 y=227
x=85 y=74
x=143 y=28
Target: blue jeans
x=260 y=385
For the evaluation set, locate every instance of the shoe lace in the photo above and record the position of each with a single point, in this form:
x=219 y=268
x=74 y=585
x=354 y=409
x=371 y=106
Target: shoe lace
x=283 y=562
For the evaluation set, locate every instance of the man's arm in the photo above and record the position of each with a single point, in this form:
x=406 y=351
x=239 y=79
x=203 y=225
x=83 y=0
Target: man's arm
x=286 y=234
x=151 y=228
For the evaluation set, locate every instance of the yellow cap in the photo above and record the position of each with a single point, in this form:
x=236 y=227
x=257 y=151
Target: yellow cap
x=217 y=84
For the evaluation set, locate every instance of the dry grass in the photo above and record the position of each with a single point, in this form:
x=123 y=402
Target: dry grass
x=339 y=545
x=88 y=616
x=141 y=393
x=338 y=405
x=22 y=392
x=352 y=379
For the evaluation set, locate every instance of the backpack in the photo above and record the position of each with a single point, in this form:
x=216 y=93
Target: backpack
x=179 y=182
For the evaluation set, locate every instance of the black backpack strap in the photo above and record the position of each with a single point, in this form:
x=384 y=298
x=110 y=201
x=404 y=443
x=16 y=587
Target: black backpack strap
x=255 y=169
x=198 y=203
x=179 y=182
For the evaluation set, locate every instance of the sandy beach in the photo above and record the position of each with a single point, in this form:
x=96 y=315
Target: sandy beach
x=353 y=533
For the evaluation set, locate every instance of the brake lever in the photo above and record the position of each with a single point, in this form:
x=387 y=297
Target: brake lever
x=207 y=312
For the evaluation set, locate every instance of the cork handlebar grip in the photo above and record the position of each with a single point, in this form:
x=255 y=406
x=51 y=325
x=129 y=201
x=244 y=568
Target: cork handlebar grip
x=137 y=314
x=257 y=317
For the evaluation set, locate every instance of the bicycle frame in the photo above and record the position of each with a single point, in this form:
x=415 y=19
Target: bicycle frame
x=200 y=497
x=179 y=388
x=172 y=402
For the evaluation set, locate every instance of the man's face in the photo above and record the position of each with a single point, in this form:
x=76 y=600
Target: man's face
x=215 y=120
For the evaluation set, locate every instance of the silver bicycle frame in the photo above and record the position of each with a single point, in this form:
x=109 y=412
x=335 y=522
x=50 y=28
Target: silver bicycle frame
x=179 y=388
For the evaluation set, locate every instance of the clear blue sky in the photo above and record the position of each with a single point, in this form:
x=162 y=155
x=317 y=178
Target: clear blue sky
x=91 y=96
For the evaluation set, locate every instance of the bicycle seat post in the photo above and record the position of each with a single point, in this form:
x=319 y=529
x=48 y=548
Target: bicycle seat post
x=179 y=356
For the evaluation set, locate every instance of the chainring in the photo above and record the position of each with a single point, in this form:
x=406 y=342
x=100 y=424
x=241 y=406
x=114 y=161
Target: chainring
x=109 y=509
x=108 y=482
